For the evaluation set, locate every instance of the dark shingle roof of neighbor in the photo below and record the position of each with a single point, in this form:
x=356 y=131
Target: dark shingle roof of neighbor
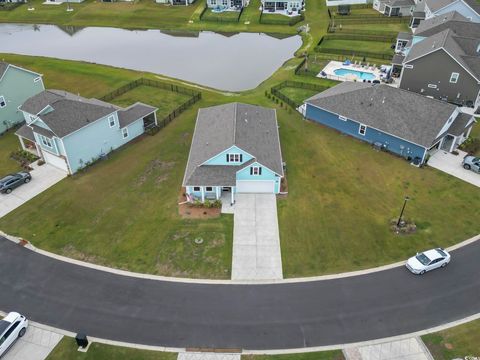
x=404 y=36
x=435 y=5
x=400 y=3
x=398 y=112
x=462 y=49
x=134 y=112
x=26 y=132
x=251 y=128
x=418 y=14
x=72 y=112
x=398 y=59
x=3 y=68
x=452 y=20
x=459 y=124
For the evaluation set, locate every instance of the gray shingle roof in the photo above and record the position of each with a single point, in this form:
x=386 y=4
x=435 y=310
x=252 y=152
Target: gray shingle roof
x=405 y=36
x=134 y=112
x=26 y=132
x=398 y=112
x=400 y=3
x=459 y=124
x=71 y=112
x=42 y=131
x=251 y=128
x=435 y=5
x=216 y=175
x=398 y=59
x=452 y=20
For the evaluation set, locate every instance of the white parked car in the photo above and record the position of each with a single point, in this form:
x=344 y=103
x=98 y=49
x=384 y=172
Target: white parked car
x=428 y=260
x=12 y=327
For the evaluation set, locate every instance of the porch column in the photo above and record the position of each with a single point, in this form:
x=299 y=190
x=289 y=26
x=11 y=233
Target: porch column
x=468 y=132
x=217 y=192
x=21 y=142
x=232 y=201
x=454 y=142
x=155 y=117
x=202 y=189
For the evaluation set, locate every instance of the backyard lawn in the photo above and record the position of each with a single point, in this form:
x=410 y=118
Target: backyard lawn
x=357 y=45
x=457 y=342
x=226 y=16
x=166 y=101
x=8 y=143
x=67 y=350
x=296 y=94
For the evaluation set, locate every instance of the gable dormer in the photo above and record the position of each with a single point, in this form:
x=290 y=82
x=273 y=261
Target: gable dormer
x=231 y=156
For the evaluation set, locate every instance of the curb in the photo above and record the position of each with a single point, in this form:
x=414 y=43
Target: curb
x=31 y=247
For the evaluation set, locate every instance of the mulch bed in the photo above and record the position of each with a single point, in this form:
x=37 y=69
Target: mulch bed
x=188 y=211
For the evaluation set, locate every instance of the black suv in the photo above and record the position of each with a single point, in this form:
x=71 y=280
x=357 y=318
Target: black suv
x=12 y=181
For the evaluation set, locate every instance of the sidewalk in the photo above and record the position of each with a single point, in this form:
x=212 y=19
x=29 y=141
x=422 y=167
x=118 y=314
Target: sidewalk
x=407 y=349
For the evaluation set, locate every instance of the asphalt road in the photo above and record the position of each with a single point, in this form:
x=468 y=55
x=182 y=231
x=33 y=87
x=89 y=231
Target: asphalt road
x=253 y=317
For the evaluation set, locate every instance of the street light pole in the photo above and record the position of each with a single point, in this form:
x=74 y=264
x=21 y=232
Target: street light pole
x=403 y=209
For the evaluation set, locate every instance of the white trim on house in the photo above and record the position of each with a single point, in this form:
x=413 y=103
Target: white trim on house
x=109 y=119
x=343 y=118
x=125 y=133
x=454 y=76
x=227 y=149
x=362 y=129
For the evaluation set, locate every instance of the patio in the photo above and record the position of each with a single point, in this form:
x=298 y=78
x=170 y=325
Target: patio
x=357 y=71
x=452 y=165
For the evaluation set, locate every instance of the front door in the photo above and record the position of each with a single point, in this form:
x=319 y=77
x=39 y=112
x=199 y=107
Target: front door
x=447 y=143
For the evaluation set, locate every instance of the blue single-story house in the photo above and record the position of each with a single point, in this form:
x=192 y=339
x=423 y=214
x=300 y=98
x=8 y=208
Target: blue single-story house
x=235 y=149
x=70 y=132
x=396 y=120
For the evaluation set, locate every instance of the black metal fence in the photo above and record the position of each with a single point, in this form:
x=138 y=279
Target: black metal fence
x=302 y=70
x=281 y=20
x=194 y=96
x=276 y=91
x=391 y=38
x=380 y=19
x=6 y=6
x=205 y=16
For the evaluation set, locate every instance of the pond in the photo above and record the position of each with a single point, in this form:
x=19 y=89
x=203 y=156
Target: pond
x=229 y=61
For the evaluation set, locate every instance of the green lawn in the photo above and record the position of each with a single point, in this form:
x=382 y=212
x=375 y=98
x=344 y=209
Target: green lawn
x=374 y=29
x=165 y=100
x=67 y=350
x=8 y=143
x=457 y=342
x=357 y=45
x=277 y=18
x=322 y=355
x=296 y=94
x=226 y=16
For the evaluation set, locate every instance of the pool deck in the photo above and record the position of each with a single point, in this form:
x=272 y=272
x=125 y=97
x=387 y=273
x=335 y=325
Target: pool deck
x=335 y=65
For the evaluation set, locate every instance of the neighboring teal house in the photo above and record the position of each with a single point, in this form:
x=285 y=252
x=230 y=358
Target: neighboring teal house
x=70 y=132
x=16 y=86
x=235 y=149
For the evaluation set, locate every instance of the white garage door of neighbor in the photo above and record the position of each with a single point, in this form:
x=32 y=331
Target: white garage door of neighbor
x=245 y=186
x=55 y=161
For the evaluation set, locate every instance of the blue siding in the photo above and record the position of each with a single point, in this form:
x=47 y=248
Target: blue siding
x=267 y=174
x=90 y=142
x=221 y=159
x=393 y=144
x=210 y=195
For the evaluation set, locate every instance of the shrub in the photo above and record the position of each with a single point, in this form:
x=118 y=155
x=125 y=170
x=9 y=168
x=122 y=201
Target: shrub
x=471 y=145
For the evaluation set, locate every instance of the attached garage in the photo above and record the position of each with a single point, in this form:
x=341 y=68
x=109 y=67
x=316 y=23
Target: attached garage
x=56 y=161
x=256 y=186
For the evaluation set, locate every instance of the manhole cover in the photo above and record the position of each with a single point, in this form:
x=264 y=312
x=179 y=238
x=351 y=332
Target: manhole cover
x=198 y=241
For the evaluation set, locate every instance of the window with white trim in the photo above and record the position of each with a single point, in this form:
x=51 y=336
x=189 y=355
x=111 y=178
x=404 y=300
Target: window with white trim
x=343 y=118
x=196 y=188
x=37 y=79
x=125 y=133
x=454 y=77
x=111 y=121
x=256 y=170
x=362 y=129
x=432 y=86
x=236 y=158
x=209 y=188
x=46 y=141
x=408 y=66
x=3 y=103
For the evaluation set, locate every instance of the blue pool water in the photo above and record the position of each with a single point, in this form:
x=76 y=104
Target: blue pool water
x=359 y=74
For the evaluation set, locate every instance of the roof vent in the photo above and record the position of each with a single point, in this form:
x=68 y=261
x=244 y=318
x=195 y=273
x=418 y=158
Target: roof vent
x=383 y=100
x=246 y=121
x=206 y=144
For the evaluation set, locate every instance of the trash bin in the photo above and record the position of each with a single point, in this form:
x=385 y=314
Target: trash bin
x=81 y=340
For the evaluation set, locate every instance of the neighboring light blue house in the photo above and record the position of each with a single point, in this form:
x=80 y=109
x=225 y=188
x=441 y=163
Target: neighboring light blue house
x=395 y=120
x=70 y=132
x=468 y=8
x=235 y=149
x=16 y=86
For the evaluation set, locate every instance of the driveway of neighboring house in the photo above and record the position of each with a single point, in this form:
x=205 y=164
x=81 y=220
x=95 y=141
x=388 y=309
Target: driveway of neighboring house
x=452 y=164
x=256 y=240
x=42 y=178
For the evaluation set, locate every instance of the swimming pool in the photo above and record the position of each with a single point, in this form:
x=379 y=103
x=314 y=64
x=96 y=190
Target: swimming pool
x=359 y=74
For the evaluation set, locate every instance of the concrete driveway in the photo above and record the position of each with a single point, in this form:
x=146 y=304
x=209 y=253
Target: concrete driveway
x=452 y=164
x=256 y=239
x=42 y=178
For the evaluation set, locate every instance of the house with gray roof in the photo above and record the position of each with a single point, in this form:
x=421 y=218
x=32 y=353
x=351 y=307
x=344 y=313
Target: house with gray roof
x=398 y=121
x=70 y=132
x=394 y=7
x=452 y=44
x=470 y=9
x=235 y=149
x=16 y=85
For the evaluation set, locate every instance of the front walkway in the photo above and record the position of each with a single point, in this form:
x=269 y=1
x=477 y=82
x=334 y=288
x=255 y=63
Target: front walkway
x=207 y=356
x=452 y=164
x=36 y=344
x=43 y=177
x=256 y=239
x=406 y=349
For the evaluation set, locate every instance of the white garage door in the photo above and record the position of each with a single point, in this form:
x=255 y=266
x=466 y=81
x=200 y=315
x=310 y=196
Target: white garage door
x=245 y=186
x=55 y=161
